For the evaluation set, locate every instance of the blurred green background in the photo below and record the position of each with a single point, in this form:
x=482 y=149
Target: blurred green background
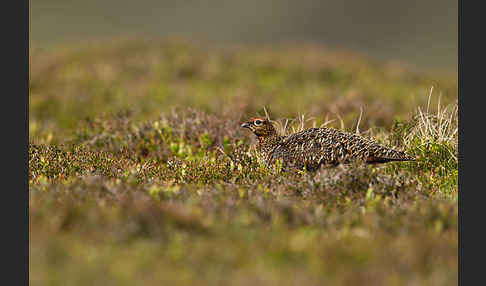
x=422 y=34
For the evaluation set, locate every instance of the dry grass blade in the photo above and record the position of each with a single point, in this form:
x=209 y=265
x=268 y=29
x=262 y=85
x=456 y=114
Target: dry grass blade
x=359 y=119
x=441 y=125
x=266 y=113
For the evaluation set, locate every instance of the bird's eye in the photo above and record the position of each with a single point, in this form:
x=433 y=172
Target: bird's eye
x=258 y=122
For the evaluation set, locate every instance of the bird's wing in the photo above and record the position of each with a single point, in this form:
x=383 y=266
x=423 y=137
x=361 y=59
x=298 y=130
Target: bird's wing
x=311 y=147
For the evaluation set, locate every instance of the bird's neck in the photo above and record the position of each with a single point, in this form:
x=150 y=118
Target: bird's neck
x=268 y=143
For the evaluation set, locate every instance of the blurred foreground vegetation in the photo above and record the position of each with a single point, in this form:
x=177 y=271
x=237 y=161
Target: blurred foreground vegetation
x=140 y=174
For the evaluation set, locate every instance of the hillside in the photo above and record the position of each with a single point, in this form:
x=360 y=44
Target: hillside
x=139 y=171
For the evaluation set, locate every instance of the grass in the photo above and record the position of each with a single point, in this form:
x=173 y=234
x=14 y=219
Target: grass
x=140 y=173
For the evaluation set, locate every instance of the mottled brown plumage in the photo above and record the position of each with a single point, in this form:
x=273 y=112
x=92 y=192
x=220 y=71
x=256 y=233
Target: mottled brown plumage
x=314 y=147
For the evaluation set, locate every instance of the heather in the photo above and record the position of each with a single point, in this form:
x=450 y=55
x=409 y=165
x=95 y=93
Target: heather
x=139 y=171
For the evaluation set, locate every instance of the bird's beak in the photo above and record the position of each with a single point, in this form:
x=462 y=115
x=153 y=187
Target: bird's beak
x=246 y=125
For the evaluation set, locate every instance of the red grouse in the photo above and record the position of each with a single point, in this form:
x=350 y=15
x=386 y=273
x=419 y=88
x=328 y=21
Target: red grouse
x=314 y=147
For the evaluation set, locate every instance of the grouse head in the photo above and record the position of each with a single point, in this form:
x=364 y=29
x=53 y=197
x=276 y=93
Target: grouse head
x=260 y=127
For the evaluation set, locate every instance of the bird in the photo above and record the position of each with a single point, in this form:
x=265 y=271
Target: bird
x=315 y=147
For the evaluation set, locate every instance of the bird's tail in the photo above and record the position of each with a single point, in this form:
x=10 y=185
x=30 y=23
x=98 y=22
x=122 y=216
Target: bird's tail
x=383 y=155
